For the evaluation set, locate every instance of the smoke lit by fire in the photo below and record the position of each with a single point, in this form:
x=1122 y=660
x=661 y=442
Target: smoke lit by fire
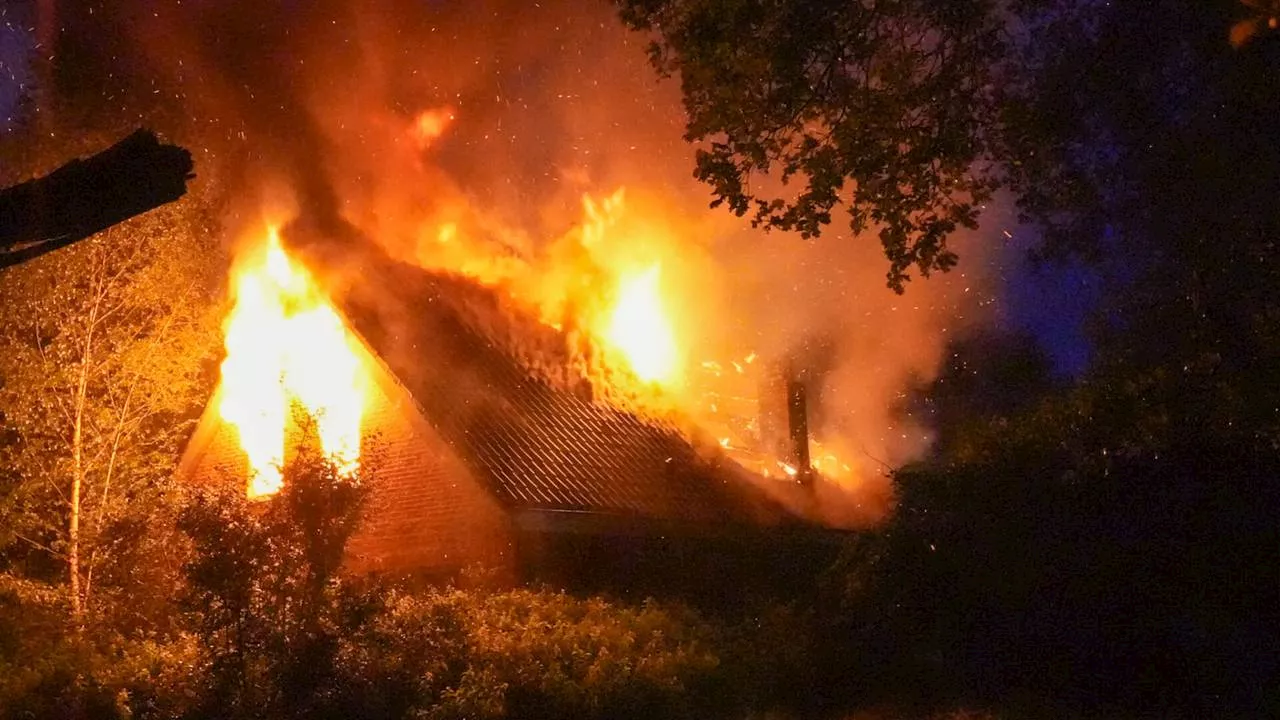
x=430 y=124
x=491 y=140
x=287 y=345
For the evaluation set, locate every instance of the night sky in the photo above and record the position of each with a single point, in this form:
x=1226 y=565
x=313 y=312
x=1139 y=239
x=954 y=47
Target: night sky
x=14 y=46
x=1051 y=301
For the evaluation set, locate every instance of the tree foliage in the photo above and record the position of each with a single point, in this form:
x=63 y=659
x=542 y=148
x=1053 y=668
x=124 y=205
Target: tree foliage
x=103 y=360
x=287 y=632
x=1109 y=541
x=264 y=586
x=887 y=108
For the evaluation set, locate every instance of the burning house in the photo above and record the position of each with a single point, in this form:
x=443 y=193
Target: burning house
x=553 y=373
x=491 y=450
x=458 y=140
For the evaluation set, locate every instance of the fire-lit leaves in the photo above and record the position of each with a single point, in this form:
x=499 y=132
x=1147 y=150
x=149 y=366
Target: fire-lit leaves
x=102 y=348
x=285 y=634
x=265 y=583
x=886 y=109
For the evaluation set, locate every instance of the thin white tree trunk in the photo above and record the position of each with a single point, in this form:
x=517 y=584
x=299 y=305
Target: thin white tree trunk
x=77 y=480
x=118 y=435
x=78 y=465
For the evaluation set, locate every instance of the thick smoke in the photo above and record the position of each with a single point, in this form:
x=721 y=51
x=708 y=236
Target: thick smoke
x=315 y=110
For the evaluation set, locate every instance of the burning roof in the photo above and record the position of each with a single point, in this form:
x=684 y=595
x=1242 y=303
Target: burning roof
x=464 y=138
x=497 y=387
x=495 y=384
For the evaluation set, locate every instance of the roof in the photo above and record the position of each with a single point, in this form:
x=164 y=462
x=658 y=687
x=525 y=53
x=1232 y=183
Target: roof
x=496 y=386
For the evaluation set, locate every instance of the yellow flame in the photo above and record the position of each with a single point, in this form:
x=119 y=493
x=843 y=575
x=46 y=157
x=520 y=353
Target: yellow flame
x=285 y=343
x=640 y=330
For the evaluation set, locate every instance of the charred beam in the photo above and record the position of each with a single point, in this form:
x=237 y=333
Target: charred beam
x=89 y=195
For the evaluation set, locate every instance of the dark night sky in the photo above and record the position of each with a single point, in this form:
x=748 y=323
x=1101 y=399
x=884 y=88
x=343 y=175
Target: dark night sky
x=1052 y=303
x=13 y=68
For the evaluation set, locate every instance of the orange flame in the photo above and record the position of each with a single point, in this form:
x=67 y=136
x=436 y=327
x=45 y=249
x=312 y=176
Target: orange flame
x=640 y=329
x=287 y=344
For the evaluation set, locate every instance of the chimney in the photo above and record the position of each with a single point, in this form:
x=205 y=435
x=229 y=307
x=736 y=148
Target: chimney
x=798 y=427
x=784 y=417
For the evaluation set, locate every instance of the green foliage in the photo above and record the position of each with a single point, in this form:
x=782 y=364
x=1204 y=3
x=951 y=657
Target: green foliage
x=73 y=677
x=530 y=654
x=47 y=672
x=287 y=633
x=543 y=654
x=886 y=108
x=102 y=371
x=265 y=589
x=1109 y=538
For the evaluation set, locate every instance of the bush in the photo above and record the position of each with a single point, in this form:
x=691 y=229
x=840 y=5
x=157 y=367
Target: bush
x=286 y=633
x=266 y=594
x=274 y=628
x=50 y=669
x=533 y=654
x=80 y=677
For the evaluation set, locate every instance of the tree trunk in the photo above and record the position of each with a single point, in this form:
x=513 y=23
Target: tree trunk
x=77 y=480
x=77 y=468
x=73 y=529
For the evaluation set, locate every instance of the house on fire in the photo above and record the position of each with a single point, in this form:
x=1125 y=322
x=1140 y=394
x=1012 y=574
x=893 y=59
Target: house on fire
x=485 y=463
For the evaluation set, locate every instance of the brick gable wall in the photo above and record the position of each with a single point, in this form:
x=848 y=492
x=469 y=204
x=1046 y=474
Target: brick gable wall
x=427 y=514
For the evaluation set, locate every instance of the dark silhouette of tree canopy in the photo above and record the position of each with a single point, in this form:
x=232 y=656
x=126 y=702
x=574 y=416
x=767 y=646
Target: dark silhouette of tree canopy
x=885 y=107
x=1110 y=541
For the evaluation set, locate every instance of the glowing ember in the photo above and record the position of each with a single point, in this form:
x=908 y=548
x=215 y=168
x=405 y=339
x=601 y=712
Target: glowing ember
x=285 y=344
x=640 y=330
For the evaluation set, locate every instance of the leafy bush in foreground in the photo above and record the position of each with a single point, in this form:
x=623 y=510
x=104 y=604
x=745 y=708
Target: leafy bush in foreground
x=271 y=626
x=285 y=633
x=541 y=654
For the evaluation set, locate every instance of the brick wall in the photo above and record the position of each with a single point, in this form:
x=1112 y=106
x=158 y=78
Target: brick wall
x=427 y=514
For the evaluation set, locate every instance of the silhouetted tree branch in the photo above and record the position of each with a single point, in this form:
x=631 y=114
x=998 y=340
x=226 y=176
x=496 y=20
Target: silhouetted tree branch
x=86 y=196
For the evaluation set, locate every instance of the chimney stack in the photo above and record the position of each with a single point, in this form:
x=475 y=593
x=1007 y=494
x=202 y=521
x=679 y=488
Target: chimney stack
x=784 y=417
x=798 y=427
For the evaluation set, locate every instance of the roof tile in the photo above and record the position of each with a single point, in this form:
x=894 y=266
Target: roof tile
x=536 y=445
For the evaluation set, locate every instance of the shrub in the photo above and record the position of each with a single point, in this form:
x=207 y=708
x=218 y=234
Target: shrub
x=286 y=633
x=265 y=591
x=535 y=654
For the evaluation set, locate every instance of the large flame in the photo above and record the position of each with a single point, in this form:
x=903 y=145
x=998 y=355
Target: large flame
x=286 y=344
x=640 y=329
x=604 y=281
